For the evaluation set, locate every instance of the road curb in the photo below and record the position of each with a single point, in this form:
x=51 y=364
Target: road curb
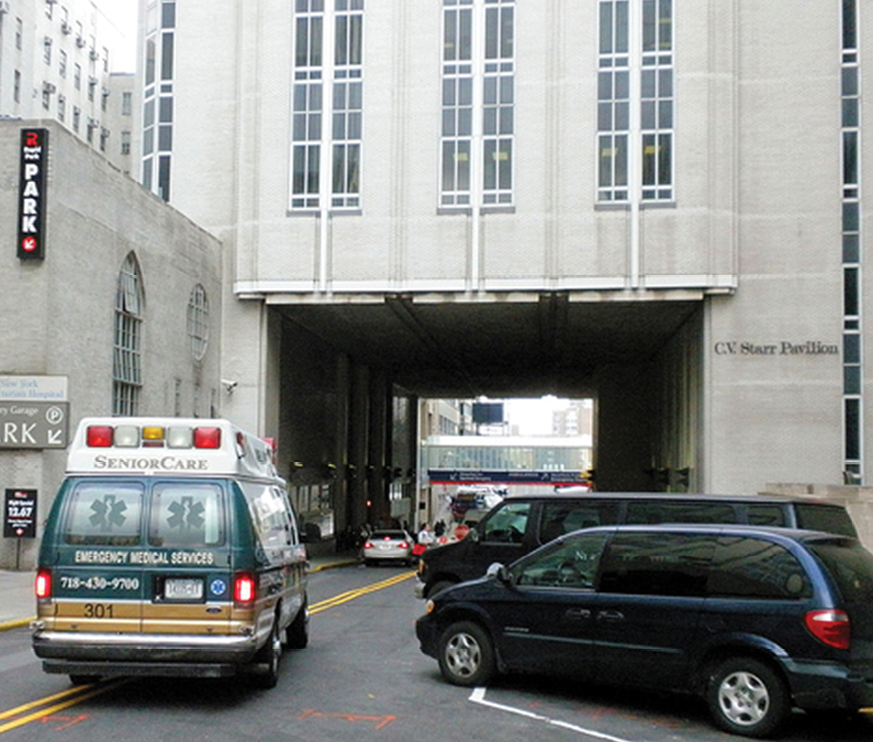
x=334 y=565
x=18 y=623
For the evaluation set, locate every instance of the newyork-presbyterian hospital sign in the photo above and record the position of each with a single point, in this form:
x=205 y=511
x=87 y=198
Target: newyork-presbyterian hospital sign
x=33 y=165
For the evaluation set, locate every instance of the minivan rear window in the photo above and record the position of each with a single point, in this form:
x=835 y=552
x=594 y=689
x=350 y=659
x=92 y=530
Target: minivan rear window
x=104 y=514
x=851 y=567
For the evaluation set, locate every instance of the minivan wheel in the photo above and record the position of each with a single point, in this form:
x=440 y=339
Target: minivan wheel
x=466 y=654
x=746 y=697
x=269 y=656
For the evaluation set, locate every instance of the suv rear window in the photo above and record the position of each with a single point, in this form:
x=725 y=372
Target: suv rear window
x=825 y=518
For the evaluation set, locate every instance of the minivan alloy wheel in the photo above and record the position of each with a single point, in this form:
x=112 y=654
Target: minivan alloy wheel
x=466 y=655
x=746 y=697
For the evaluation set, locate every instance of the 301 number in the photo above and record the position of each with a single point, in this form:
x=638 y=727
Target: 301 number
x=98 y=610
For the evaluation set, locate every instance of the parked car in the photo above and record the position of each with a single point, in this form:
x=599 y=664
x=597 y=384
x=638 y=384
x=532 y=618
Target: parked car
x=388 y=546
x=521 y=523
x=754 y=620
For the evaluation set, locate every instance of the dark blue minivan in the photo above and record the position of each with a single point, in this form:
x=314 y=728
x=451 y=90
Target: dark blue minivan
x=755 y=620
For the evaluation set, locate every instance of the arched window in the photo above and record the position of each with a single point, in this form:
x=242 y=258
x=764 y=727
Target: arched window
x=127 y=361
x=198 y=321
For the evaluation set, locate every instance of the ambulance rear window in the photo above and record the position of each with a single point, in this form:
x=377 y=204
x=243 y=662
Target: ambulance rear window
x=105 y=514
x=187 y=514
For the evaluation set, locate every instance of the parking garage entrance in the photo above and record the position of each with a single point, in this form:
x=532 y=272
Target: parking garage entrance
x=353 y=377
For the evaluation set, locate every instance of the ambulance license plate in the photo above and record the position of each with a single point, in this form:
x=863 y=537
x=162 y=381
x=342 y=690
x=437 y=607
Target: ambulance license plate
x=178 y=588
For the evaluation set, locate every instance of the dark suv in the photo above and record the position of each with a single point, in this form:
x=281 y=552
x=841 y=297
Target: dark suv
x=522 y=523
x=754 y=620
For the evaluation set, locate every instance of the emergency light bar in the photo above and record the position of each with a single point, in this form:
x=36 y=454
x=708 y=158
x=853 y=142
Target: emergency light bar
x=169 y=446
x=153 y=436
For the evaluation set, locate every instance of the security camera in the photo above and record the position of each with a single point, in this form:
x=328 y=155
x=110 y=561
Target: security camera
x=229 y=386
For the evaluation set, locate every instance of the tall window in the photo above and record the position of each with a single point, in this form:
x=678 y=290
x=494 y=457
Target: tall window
x=157 y=136
x=850 y=88
x=127 y=362
x=478 y=102
x=635 y=101
x=327 y=104
x=198 y=322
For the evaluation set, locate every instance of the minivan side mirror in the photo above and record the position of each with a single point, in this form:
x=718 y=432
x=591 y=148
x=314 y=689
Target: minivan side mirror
x=500 y=573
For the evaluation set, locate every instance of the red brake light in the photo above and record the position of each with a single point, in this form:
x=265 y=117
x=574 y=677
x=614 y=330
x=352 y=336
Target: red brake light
x=43 y=585
x=99 y=436
x=368 y=545
x=831 y=627
x=207 y=437
x=404 y=545
x=244 y=588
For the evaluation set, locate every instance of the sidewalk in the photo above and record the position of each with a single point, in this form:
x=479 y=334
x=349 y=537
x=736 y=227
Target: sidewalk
x=18 y=605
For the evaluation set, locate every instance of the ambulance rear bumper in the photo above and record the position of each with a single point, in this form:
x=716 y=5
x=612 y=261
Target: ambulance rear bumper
x=134 y=654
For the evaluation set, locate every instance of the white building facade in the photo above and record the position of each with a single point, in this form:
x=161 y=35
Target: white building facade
x=668 y=193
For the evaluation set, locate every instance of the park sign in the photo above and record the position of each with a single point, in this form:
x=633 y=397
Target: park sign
x=33 y=166
x=34 y=412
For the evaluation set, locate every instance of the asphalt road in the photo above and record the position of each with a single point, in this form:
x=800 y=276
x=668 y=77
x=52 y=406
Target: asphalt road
x=361 y=678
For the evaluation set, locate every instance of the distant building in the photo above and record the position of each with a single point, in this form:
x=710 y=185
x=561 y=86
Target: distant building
x=55 y=64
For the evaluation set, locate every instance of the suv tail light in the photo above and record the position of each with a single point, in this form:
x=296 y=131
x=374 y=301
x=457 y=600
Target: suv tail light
x=831 y=627
x=43 y=584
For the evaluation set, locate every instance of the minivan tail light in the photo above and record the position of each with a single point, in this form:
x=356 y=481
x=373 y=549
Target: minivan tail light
x=831 y=627
x=244 y=588
x=43 y=584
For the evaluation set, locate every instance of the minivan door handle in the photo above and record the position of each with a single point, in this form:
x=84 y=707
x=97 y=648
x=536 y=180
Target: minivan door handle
x=610 y=616
x=578 y=613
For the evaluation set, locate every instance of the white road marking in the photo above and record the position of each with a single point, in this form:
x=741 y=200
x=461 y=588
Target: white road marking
x=478 y=696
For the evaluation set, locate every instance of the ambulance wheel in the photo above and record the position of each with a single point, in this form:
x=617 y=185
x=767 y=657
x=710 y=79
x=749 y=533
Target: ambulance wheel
x=84 y=679
x=268 y=657
x=297 y=634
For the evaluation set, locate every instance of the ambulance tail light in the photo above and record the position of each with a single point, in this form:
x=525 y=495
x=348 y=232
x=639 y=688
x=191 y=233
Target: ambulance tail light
x=43 y=583
x=99 y=436
x=207 y=437
x=244 y=589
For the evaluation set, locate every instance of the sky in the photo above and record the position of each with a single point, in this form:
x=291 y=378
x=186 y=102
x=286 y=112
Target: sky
x=122 y=14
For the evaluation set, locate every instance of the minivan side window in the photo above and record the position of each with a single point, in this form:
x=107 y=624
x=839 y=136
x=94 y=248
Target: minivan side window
x=647 y=513
x=571 y=564
x=187 y=514
x=507 y=524
x=564 y=516
x=671 y=564
x=746 y=567
x=105 y=514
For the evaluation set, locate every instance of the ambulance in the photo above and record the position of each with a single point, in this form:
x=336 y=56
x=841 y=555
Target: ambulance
x=171 y=549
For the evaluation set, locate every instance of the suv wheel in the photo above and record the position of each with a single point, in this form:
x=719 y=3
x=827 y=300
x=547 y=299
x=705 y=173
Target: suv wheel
x=297 y=634
x=466 y=654
x=746 y=697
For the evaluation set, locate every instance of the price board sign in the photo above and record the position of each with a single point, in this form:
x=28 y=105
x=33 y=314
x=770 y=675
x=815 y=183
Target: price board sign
x=20 y=510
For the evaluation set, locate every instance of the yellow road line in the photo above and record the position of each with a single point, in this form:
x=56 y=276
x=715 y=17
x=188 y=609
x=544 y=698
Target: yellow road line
x=357 y=593
x=80 y=693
